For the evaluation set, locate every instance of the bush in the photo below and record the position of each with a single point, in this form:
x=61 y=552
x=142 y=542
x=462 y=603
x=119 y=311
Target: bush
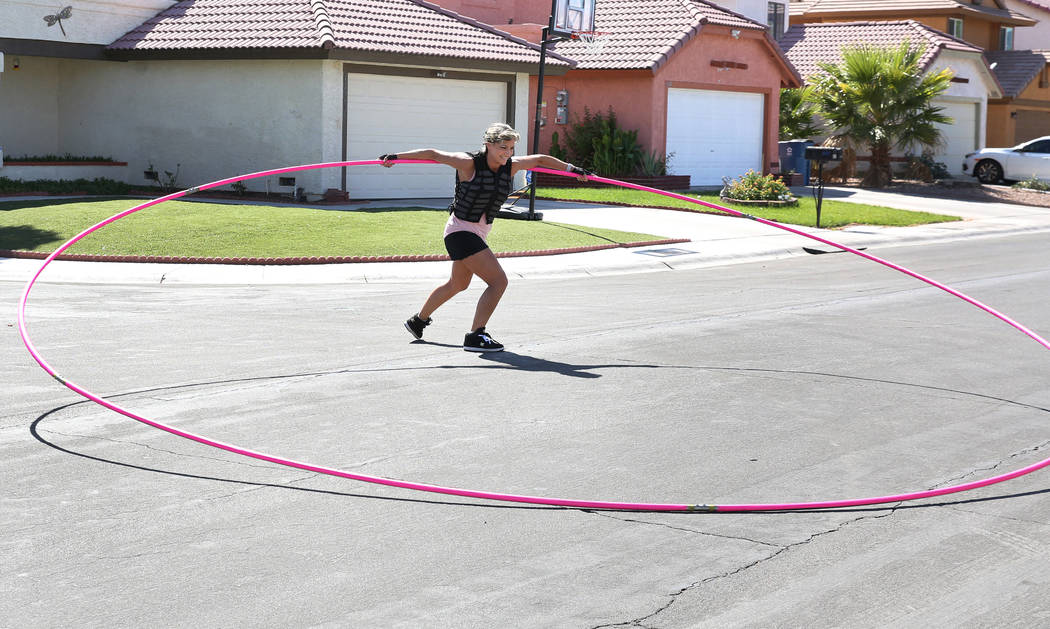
x=598 y=143
x=1033 y=183
x=924 y=168
x=68 y=157
x=557 y=150
x=617 y=152
x=755 y=187
x=99 y=185
x=581 y=136
x=654 y=165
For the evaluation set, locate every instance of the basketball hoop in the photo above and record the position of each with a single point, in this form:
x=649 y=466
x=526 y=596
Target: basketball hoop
x=593 y=41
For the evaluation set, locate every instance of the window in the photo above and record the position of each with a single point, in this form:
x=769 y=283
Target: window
x=955 y=27
x=1042 y=146
x=776 y=19
x=1006 y=38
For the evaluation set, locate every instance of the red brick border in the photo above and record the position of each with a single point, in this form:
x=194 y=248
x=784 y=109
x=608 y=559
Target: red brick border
x=86 y=257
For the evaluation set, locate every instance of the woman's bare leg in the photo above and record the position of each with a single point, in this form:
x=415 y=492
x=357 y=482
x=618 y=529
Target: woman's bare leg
x=458 y=281
x=485 y=265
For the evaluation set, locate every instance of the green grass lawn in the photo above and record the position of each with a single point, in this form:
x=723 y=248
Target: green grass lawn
x=185 y=228
x=832 y=213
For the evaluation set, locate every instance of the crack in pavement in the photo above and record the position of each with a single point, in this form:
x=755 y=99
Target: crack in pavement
x=996 y=465
x=171 y=452
x=780 y=549
x=612 y=516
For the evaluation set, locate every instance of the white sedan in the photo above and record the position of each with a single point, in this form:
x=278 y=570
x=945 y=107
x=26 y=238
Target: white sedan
x=1028 y=159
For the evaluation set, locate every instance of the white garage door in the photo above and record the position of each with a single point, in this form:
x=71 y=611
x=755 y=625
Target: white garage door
x=960 y=136
x=714 y=134
x=391 y=113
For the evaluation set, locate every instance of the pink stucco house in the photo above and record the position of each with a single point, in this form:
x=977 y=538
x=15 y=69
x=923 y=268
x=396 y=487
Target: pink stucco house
x=694 y=79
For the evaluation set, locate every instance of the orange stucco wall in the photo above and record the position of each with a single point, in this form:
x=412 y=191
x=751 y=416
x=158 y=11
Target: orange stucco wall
x=1002 y=127
x=639 y=97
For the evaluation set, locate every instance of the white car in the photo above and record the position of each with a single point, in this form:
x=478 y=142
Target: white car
x=1028 y=159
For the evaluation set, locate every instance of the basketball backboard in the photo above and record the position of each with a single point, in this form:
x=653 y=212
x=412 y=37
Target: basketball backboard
x=572 y=16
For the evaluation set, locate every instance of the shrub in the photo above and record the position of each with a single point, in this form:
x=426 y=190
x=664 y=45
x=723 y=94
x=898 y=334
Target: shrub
x=581 y=136
x=99 y=185
x=557 y=150
x=924 y=168
x=653 y=165
x=617 y=152
x=755 y=187
x=68 y=157
x=1033 y=183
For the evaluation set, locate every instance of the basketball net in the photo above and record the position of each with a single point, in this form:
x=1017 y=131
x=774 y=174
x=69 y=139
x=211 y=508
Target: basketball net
x=593 y=41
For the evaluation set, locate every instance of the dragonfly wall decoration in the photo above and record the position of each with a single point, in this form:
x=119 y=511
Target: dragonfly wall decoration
x=64 y=14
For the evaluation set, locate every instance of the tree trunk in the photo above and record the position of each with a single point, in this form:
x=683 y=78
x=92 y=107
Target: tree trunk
x=878 y=175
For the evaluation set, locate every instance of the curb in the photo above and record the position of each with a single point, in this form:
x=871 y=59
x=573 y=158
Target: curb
x=260 y=261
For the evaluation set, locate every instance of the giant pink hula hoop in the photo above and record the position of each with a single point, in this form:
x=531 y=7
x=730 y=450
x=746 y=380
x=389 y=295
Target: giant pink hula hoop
x=487 y=495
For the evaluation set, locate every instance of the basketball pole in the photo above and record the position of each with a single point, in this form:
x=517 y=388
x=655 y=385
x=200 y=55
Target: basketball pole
x=538 y=121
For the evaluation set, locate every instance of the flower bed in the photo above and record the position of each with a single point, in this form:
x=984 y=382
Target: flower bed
x=763 y=202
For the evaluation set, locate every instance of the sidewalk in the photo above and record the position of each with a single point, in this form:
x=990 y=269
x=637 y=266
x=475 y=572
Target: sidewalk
x=715 y=240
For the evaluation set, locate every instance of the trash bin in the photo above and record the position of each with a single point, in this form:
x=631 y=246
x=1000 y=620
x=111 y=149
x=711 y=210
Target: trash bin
x=793 y=157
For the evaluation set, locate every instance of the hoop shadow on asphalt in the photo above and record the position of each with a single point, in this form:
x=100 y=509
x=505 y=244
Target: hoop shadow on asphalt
x=511 y=360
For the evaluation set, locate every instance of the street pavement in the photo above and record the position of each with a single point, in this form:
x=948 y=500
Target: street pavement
x=732 y=368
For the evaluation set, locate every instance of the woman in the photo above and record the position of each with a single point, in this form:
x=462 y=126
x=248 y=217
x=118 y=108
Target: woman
x=483 y=183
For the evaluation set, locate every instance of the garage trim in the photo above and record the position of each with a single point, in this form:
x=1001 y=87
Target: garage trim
x=359 y=68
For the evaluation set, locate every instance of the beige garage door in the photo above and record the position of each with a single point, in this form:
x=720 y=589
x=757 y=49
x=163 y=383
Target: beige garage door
x=714 y=134
x=960 y=137
x=1032 y=124
x=387 y=113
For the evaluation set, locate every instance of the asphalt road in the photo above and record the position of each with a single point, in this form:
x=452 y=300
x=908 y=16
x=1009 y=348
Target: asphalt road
x=809 y=378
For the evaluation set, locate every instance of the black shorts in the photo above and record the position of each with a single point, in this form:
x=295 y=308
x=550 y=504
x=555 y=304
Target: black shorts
x=463 y=244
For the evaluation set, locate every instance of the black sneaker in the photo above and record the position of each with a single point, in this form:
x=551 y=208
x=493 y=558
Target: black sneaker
x=480 y=341
x=415 y=325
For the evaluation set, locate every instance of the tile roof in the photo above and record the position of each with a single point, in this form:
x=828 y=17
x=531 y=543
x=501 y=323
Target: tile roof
x=807 y=45
x=643 y=34
x=1038 y=4
x=870 y=8
x=1015 y=69
x=379 y=26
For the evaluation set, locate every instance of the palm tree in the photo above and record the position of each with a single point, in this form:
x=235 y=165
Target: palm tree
x=796 y=115
x=878 y=97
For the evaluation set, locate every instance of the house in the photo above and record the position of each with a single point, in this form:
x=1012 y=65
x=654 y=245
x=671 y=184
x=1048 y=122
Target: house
x=225 y=88
x=1035 y=37
x=966 y=100
x=1022 y=111
x=1024 y=72
x=696 y=80
x=987 y=24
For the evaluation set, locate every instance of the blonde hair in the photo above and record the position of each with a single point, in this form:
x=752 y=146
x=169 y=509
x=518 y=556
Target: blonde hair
x=500 y=132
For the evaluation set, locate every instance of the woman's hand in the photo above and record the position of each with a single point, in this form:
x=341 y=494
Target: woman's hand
x=581 y=173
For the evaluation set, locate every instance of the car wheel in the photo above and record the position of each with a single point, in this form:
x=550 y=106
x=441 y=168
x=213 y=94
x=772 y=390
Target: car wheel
x=988 y=171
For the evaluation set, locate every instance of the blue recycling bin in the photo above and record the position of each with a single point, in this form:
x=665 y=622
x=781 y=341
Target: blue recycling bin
x=793 y=157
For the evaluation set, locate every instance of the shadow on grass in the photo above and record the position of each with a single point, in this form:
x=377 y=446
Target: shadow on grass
x=26 y=237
